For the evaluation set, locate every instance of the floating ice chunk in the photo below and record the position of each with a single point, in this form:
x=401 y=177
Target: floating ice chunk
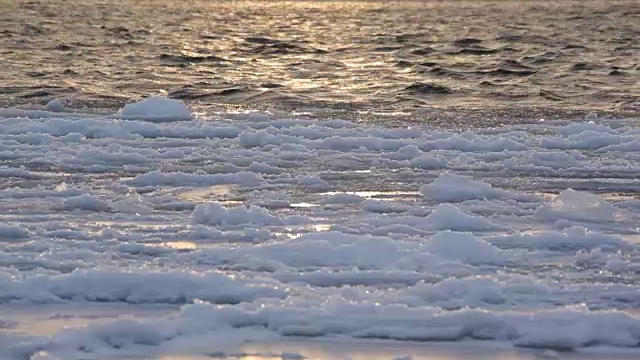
x=157 y=108
x=577 y=128
x=331 y=249
x=157 y=177
x=314 y=182
x=632 y=146
x=407 y=152
x=456 y=188
x=573 y=238
x=260 y=138
x=274 y=200
x=589 y=140
x=342 y=199
x=12 y=233
x=381 y=206
x=55 y=105
x=549 y=159
x=449 y=217
x=577 y=205
x=568 y=330
x=264 y=168
x=291 y=356
x=86 y=202
x=351 y=143
x=337 y=249
x=21 y=172
x=331 y=278
x=616 y=264
x=216 y=214
x=462 y=247
x=258 y=117
x=454 y=293
x=429 y=162
x=136 y=287
x=476 y=144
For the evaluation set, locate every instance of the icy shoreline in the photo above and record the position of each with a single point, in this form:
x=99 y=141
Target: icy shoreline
x=256 y=228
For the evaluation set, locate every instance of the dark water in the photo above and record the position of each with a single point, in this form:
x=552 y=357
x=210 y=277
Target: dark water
x=501 y=56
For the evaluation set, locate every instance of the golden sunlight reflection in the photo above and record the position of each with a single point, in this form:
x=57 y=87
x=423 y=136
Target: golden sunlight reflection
x=373 y=193
x=295 y=232
x=303 y=205
x=179 y=245
x=206 y=194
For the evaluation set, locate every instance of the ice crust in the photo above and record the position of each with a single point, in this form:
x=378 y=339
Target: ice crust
x=259 y=227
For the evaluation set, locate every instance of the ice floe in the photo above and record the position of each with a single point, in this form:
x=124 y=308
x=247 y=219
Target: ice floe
x=449 y=187
x=449 y=217
x=157 y=108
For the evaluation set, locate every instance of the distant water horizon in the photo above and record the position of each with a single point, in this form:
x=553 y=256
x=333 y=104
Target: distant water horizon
x=503 y=57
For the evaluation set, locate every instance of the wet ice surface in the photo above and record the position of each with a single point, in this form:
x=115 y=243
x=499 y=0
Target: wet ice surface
x=177 y=236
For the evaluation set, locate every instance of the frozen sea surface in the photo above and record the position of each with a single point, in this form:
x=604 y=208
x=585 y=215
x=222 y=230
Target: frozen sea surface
x=149 y=234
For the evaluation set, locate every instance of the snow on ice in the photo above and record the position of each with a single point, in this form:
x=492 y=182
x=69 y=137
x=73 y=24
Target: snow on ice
x=255 y=226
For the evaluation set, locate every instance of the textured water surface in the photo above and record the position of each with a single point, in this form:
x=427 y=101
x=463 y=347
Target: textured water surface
x=512 y=56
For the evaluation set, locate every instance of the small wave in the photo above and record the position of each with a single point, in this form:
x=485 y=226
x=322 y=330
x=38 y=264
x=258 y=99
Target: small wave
x=192 y=93
x=550 y=95
x=506 y=72
x=424 y=88
x=472 y=50
x=467 y=41
x=584 y=66
x=183 y=58
x=424 y=51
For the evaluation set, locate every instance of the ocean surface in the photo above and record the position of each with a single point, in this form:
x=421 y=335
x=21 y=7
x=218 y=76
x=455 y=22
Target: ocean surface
x=511 y=58
x=319 y=180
